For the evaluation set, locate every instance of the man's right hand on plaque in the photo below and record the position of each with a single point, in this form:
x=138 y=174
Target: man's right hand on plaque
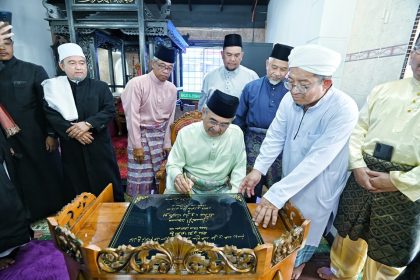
x=183 y=184
x=249 y=183
x=265 y=212
x=138 y=155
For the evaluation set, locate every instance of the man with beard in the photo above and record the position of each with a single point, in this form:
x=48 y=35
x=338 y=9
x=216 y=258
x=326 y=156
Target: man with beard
x=38 y=172
x=312 y=127
x=149 y=103
x=14 y=224
x=231 y=77
x=79 y=109
x=378 y=219
x=258 y=105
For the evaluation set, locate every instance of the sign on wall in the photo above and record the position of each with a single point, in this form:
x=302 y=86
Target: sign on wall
x=104 y=1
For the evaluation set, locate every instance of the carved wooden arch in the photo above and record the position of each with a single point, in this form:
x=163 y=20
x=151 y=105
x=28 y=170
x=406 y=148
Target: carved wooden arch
x=184 y=120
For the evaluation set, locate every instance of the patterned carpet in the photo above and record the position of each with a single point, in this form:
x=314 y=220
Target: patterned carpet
x=37 y=260
x=120 y=147
x=41 y=227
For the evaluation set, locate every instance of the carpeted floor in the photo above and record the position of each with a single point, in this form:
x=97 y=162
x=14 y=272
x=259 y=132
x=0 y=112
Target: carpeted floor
x=37 y=260
x=321 y=258
x=120 y=148
x=317 y=261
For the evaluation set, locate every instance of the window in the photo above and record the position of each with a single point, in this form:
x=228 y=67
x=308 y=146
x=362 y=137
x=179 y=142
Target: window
x=406 y=70
x=115 y=83
x=197 y=62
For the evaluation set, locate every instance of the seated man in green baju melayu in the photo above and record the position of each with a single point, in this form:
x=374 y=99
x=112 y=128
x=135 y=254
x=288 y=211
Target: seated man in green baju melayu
x=209 y=156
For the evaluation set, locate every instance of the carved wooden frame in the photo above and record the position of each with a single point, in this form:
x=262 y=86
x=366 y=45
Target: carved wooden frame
x=177 y=255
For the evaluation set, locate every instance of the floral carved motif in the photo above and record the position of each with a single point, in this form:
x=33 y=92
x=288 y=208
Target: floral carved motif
x=177 y=255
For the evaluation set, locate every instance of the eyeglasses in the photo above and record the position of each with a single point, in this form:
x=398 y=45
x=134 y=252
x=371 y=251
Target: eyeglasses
x=298 y=88
x=214 y=123
x=164 y=67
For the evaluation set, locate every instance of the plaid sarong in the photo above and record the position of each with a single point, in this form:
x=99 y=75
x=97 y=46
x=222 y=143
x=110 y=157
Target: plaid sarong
x=253 y=141
x=389 y=222
x=141 y=177
x=304 y=255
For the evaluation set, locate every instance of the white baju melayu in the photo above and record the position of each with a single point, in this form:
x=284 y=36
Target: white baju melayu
x=229 y=82
x=315 y=156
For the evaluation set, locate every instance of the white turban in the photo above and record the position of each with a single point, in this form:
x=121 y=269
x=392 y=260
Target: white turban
x=69 y=49
x=315 y=59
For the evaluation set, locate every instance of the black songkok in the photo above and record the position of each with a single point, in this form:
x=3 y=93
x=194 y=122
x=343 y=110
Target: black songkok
x=166 y=54
x=222 y=104
x=232 y=40
x=281 y=52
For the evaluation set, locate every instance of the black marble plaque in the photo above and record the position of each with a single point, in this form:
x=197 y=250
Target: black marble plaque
x=222 y=219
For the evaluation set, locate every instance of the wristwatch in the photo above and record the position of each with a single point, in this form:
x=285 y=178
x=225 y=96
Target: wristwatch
x=89 y=125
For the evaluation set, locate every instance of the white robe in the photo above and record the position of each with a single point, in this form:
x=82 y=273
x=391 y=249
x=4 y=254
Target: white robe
x=230 y=82
x=315 y=156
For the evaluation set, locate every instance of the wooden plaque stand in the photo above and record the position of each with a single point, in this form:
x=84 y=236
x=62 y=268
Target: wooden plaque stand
x=83 y=229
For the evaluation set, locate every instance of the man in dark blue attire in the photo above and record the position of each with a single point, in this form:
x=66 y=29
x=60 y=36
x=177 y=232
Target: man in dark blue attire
x=257 y=108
